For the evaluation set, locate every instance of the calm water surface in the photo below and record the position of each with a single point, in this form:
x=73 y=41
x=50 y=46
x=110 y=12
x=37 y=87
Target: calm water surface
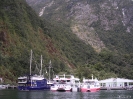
x=102 y=94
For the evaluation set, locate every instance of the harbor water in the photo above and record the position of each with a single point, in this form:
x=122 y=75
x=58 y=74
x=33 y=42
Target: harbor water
x=102 y=94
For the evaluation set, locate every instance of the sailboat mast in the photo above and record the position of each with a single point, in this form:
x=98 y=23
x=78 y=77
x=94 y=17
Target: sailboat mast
x=41 y=66
x=92 y=76
x=30 y=61
x=49 y=69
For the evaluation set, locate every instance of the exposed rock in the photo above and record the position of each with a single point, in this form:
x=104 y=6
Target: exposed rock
x=3 y=36
x=85 y=15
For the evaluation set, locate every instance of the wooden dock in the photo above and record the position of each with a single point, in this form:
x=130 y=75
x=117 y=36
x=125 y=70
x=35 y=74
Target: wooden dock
x=9 y=86
x=12 y=87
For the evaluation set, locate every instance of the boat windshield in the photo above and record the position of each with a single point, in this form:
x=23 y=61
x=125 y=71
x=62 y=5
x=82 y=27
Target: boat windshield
x=89 y=82
x=62 y=81
x=22 y=80
x=77 y=81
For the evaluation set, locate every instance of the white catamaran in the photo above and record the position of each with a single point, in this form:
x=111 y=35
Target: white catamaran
x=65 y=83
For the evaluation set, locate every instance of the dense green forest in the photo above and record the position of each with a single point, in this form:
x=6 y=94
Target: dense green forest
x=22 y=30
x=116 y=59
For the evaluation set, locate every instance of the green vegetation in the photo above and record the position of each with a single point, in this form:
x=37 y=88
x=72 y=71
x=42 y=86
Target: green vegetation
x=110 y=62
x=22 y=30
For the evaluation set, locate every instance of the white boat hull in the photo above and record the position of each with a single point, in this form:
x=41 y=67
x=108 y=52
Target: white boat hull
x=61 y=87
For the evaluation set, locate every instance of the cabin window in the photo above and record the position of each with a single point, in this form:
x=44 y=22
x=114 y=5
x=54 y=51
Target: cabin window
x=62 y=82
x=57 y=80
x=34 y=81
x=76 y=81
x=68 y=80
x=114 y=84
x=125 y=84
x=130 y=83
x=22 y=80
x=103 y=84
x=34 y=85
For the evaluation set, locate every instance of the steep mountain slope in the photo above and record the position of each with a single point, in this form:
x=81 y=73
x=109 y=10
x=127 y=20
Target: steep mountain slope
x=56 y=37
x=21 y=30
x=100 y=23
x=106 y=25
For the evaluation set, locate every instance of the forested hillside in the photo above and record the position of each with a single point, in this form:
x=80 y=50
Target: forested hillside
x=105 y=25
x=21 y=30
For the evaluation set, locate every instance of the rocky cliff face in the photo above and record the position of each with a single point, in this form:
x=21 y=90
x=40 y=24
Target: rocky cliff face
x=107 y=14
x=86 y=16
